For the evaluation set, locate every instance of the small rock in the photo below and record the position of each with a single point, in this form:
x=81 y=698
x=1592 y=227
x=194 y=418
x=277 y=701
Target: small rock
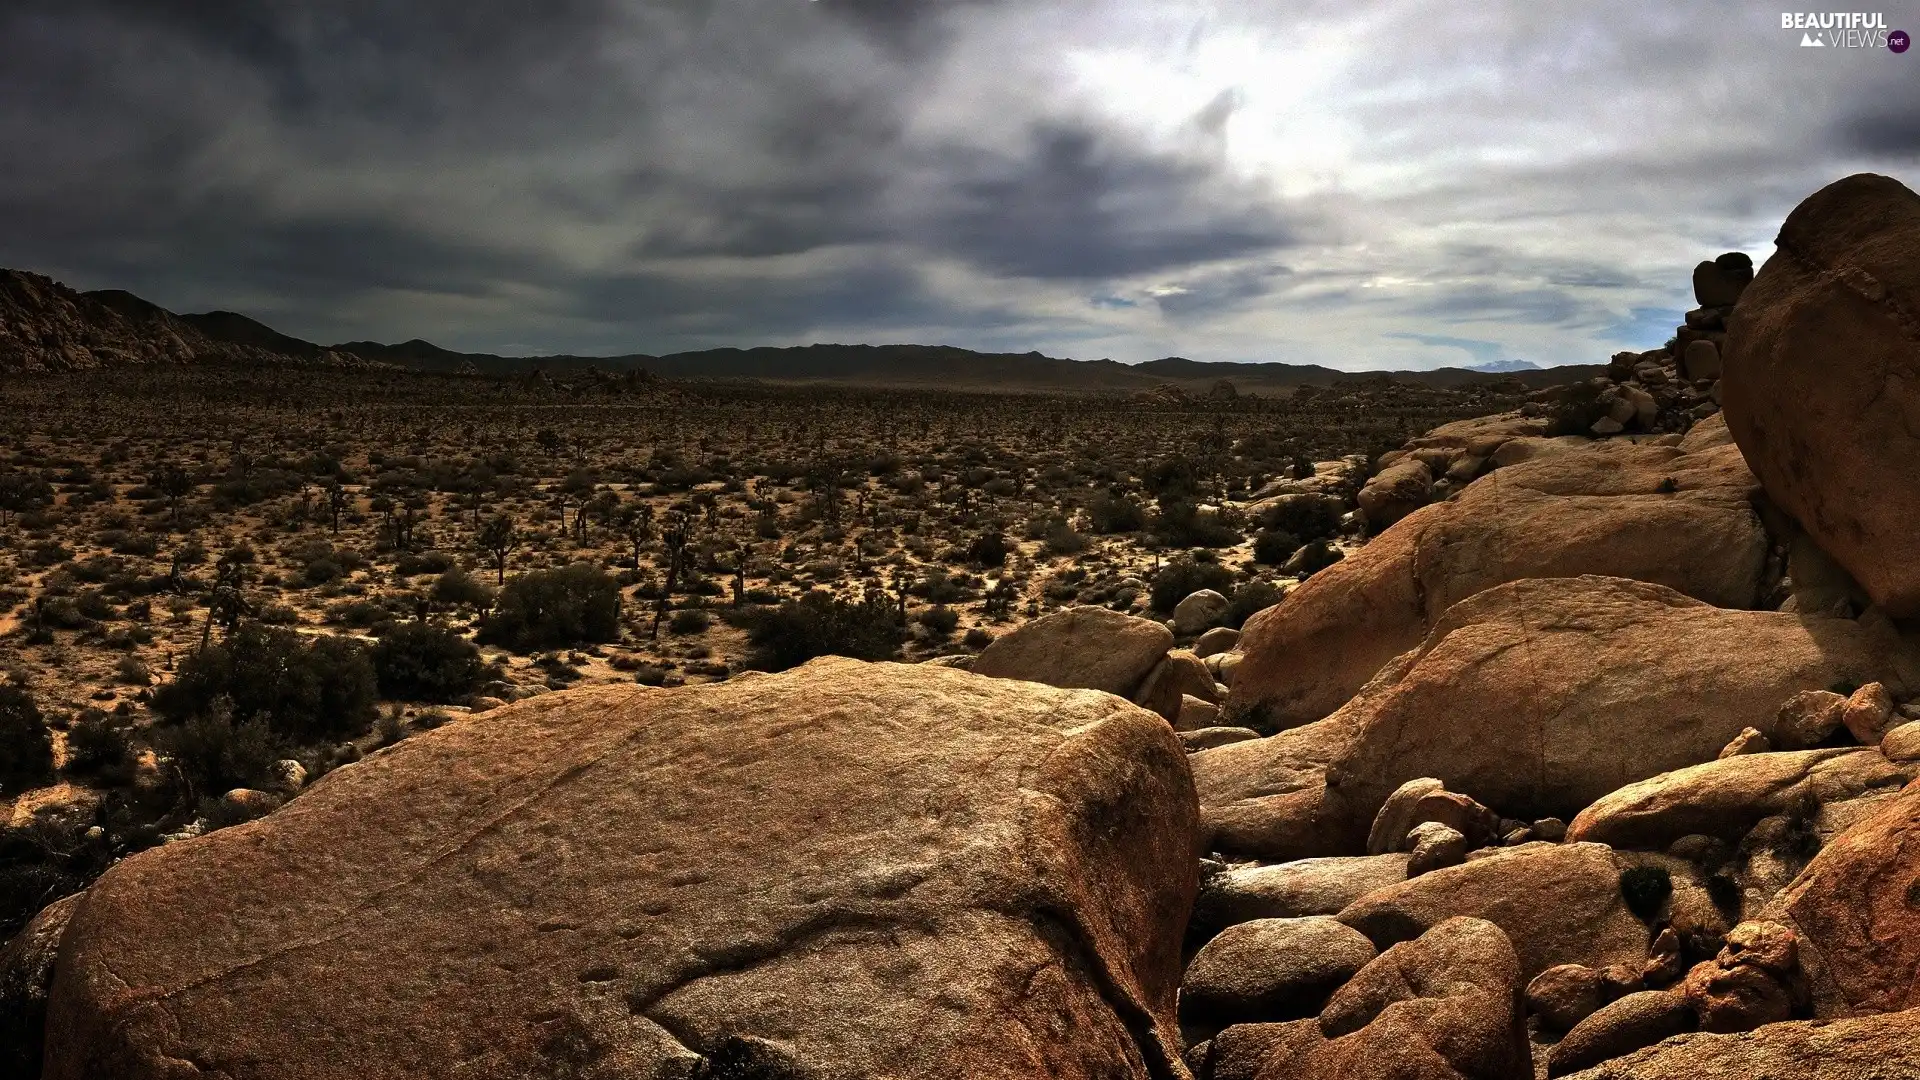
x=1607 y=425
x=1868 y=713
x=1199 y=611
x=1550 y=829
x=1217 y=640
x=1270 y=969
x=1701 y=360
x=1635 y=1021
x=1749 y=741
x=1196 y=714
x=291 y=775
x=484 y=703
x=1902 y=742
x=1434 y=847
x=1207 y=738
x=1665 y=962
x=1563 y=996
x=1808 y=719
x=1739 y=997
x=245 y=804
x=1767 y=945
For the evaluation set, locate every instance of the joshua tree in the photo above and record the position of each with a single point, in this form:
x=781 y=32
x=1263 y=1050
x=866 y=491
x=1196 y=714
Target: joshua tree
x=636 y=524
x=498 y=538
x=336 y=502
x=172 y=481
x=677 y=534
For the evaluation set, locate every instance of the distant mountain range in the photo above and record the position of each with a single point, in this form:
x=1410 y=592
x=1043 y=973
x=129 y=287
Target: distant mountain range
x=46 y=326
x=1504 y=366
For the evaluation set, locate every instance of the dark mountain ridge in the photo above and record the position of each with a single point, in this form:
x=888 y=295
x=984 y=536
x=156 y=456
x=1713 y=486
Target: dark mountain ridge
x=46 y=326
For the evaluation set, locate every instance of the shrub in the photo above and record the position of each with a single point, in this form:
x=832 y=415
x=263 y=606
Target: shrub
x=1181 y=524
x=821 y=624
x=1275 y=546
x=25 y=888
x=216 y=755
x=26 y=747
x=1645 y=889
x=939 y=620
x=457 y=588
x=1062 y=540
x=1254 y=596
x=1307 y=518
x=1185 y=576
x=308 y=689
x=419 y=661
x=988 y=549
x=1110 y=513
x=96 y=744
x=689 y=621
x=321 y=572
x=552 y=608
x=977 y=638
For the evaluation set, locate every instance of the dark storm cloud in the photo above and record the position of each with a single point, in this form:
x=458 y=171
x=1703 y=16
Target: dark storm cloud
x=1077 y=206
x=643 y=175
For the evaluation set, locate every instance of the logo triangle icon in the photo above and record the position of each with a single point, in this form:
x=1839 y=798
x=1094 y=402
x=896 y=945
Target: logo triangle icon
x=1808 y=41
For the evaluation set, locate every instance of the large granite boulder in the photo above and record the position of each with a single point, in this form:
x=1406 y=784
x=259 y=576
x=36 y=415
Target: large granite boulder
x=1665 y=514
x=847 y=869
x=1557 y=903
x=1086 y=647
x=1822 y=379
x=1727 y=797
x=1443 y=1007
x=1856 y=908
x=1866 y=1048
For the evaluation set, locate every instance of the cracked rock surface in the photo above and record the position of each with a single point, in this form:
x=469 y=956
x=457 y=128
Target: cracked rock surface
x=848 y=869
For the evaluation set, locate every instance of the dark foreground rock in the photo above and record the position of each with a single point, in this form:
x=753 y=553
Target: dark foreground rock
x=1822 y=379
x=844 y=870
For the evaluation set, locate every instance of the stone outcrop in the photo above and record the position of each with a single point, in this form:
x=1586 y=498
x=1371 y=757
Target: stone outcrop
x=1665 y=514
x=1822 y=382
x=848 y=869
x=1088 y=647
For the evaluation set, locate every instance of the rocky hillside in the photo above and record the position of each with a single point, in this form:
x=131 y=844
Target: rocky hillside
x=1595 y=761
x=46 y=326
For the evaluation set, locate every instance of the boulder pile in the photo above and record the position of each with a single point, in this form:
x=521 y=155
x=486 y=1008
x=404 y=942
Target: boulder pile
x=1597 y=761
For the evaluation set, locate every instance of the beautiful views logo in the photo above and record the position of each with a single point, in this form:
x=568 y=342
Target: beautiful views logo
x=1844 y=30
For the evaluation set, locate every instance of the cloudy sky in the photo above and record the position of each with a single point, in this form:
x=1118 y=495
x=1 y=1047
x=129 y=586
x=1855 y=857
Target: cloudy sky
x=1366 y=184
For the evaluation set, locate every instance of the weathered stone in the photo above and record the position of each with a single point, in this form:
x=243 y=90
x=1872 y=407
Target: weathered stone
x=1660 y=514
x=1179 y=674
x=1198 y=611
x=1080 y=647
x=1856 y=910
x=1701 y=360
x=1749 y=741
x=1901 y=743
x=1195 y=714
x=26 y=974
x=1866 y=1048
x=1868 y=714
x=1631 y=1023
x=1292 y=890
x=1808 y=719
x=1557 y=903
x=1207 y=738
x=847 y=869
x=1395 y=492
x=1215 y=641
x=1822 y=382
x=1566 y=994
x=1270 y=969
x=1434 y=847
x=1445 y=1007
x=1735 y=997
x=1727 y=797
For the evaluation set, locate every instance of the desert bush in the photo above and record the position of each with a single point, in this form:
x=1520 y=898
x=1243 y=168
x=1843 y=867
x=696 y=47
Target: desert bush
x=1305 y=519
x=1254 y=596
x=418 y=661
x=457 y=588
x=1645 y=890
x=215 y=754
x=988 y=549
x=821 y=624
x=1181 y=524
x=551 y=608
x=1275 y=546
x=98 y=744
x=1184 y=576
x=977 y=638
x=307 y=689
x=939 y=620
x=1061 y=539
x=26 y=747
x=689 y=621
x=1111 y=513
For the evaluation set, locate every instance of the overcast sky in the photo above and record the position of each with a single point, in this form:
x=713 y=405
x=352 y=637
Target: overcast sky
x=1365 y=184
